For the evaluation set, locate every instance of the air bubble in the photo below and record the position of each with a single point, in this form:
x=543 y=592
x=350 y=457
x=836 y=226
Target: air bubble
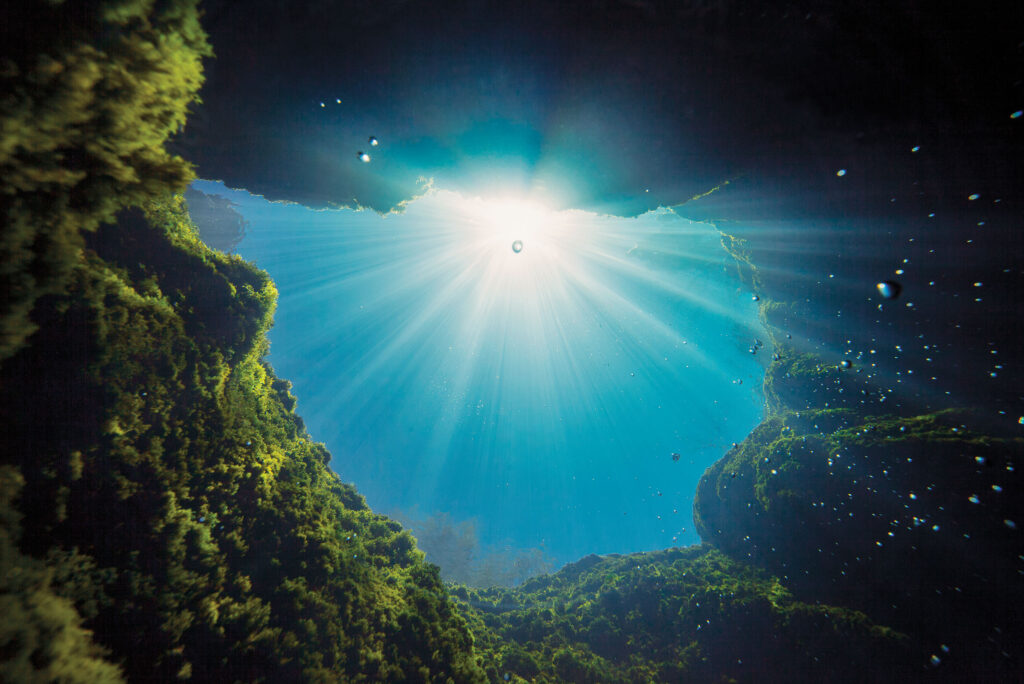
x=889 y=289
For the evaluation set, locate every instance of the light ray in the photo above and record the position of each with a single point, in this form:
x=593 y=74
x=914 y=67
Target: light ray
x=447 y=371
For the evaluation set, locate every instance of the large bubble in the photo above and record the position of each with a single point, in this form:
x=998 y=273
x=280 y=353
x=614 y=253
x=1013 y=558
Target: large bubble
x=889 y=289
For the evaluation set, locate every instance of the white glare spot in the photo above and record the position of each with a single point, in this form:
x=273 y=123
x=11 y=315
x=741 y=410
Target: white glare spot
x=363 y=156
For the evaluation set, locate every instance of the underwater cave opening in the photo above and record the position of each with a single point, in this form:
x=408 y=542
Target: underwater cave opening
x=547 y=404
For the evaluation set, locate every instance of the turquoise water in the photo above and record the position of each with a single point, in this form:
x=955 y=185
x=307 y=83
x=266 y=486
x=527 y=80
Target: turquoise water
x=541 y=393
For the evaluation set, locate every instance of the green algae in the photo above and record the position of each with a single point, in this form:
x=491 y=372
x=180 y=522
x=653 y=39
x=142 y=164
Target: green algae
x=676 y=615
x=201 y=518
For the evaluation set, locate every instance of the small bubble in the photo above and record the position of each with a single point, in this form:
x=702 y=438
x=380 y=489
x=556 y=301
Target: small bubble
x=755 y=298
x=841 y=172
x=337 y=100
x=973 y=498
x=935 y=528
x=1009 y=523
x=1017 y=114
x=517 y=246
x=373 y=141
x=935 y=660
x=996 y=488
x=915 y=148
x=973 y=196
x=913 y=495
x=322 y=104
x=846 y=364
x=363 y=156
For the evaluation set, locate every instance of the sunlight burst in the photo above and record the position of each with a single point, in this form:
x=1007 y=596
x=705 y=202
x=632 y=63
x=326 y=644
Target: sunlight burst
x=585 y=356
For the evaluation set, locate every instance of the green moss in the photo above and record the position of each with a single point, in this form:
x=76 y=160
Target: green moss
x=92 y=92
x=901 y=517
x=199 y=527
x=41 y=634
x=682 y=614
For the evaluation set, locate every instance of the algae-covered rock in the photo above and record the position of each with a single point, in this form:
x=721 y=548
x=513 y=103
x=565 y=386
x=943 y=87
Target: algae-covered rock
x=912 y=520
x=92 y=90
x=41 y=634
x=670 y=616
x=178 y=500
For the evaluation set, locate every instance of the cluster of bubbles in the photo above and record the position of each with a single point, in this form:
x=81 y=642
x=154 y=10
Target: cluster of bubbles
x=364 y=156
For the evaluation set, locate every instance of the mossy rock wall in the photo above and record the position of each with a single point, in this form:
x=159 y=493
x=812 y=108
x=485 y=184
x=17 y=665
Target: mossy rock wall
x=669 y=616
x=178 y=500
x=911 y=519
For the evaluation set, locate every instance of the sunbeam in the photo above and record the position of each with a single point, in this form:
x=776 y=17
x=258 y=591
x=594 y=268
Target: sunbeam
x=498 y=359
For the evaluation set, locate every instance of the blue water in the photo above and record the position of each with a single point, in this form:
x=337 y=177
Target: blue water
x=542 y=393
